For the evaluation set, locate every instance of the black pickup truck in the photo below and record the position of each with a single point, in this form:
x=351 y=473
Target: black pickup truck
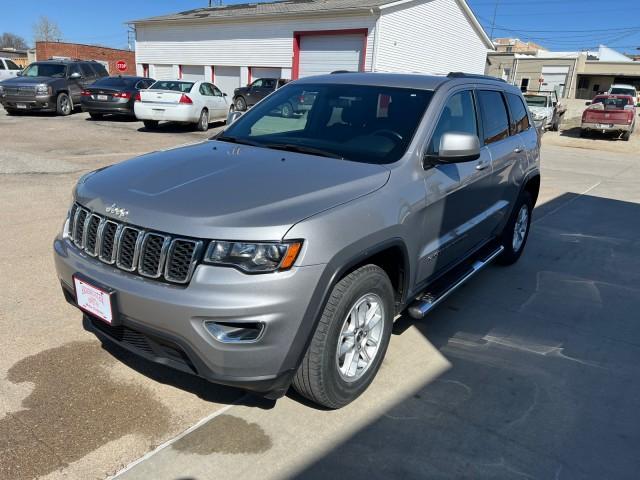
x=245 y=97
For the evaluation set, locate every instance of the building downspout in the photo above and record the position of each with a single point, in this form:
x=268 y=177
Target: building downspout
x=376 y=38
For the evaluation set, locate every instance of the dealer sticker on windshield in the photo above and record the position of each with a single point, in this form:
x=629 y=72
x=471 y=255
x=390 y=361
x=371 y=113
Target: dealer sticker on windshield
x=93 y=300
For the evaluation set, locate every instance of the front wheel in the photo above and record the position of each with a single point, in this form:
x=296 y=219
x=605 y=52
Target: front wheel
x=350 y=340
x=287 y=110
x=64 y=106
x=516 y=232
x=241 y=104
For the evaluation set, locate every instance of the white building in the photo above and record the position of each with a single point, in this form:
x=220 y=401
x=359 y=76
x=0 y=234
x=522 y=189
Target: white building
x=236 y=44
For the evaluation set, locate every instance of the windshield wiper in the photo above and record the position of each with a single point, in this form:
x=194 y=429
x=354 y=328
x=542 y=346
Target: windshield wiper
x=303 y=149
x=239 y=141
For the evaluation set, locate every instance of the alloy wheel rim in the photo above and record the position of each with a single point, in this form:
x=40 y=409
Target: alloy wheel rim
x=203 y=120
x=360 y=337
x=520 y=229
x=65 y=104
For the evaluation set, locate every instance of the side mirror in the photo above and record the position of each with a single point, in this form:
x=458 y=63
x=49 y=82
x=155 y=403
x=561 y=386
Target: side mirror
x=587 y=103
x=224 y=94
x=19 y=74
x=233 y=116
x=75 y=75
x=555 y=104
x=455 y=147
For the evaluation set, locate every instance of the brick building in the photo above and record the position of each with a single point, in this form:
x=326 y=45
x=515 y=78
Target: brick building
x=105 y=55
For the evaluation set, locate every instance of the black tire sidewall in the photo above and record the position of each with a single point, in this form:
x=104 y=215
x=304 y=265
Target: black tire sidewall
x=241 y=104
x=340 y=391
x=509 y=256
x=288 y=113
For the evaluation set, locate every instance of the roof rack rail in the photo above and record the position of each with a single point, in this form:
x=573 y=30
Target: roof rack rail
x=474 y=75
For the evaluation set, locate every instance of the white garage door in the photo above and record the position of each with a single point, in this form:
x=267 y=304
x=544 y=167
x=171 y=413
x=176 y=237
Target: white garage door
x=320 y=54
x=163 y=72
x=554 y=79
x=192 y=73
x=263 y=72
x=227 y=79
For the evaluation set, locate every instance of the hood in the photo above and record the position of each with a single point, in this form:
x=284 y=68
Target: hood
x=540 y=110
x=21 y=81
x=227 y=191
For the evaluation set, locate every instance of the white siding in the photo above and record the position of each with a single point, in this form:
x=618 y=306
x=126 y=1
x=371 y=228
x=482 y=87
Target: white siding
x=267 y=43
x=227 y=79
x=193 y=72
x=428 y=37
x=163 y=72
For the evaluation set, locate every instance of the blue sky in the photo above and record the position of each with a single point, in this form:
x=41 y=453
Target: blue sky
x=556 y=24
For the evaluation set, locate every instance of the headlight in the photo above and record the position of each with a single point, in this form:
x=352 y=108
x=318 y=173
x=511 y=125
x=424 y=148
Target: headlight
x=43 y=90
x=253 y=257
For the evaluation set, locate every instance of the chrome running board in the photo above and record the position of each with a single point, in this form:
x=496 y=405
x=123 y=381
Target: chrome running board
x=428 y=300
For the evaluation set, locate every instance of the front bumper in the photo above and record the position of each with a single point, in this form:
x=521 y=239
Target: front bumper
x=606 y=127
x=165 y=323
x=31 y=103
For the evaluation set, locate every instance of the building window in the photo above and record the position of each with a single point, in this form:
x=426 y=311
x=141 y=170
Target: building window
x=509 y=49
x=506 y=74
x=596 y=87
x=524 y=84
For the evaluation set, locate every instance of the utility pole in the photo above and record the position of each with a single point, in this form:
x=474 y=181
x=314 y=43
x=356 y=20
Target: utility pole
x=493 y=22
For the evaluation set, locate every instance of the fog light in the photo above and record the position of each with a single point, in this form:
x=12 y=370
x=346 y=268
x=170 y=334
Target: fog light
x=235 y=332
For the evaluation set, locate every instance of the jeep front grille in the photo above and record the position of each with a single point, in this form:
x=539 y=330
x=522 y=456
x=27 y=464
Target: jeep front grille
x=133 y=249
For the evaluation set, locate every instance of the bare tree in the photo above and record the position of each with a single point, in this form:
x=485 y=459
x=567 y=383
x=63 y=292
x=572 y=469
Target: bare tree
x=11 y=40
x=46 y=30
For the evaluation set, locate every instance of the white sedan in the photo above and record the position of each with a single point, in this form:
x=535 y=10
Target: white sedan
x=181 y=101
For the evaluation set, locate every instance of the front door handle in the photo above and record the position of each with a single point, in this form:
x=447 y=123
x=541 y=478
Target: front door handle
x=482 y=165
x=518 y=150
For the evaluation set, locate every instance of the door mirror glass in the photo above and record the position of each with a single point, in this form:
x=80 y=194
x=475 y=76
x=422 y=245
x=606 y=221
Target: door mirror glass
x=75 y=75
x=456 y=147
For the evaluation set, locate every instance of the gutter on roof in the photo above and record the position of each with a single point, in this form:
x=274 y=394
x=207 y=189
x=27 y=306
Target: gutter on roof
x=476 y=24
x=159 y=20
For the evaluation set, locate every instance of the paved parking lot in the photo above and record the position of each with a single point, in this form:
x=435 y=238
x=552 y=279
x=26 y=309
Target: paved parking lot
x=529 y=371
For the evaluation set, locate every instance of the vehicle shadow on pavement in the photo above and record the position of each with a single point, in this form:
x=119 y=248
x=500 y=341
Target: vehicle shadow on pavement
x=544 y=364
x=171 y=127
x=576 y=132
x=198 y=386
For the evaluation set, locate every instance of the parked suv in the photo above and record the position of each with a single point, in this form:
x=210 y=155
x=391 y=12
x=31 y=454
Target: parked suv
x=281 y=251
x=52 y=85
x=245 y=97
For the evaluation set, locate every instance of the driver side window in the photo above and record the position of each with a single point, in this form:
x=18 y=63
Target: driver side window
x=74 y=68
x=257 y=84
x=458 y=115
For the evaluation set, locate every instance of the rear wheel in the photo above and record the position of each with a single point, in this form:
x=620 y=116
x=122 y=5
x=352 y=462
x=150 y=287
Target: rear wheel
x=11 y=111
x=203 y=121
x=516 y=232
x=150 y=124
x=96 y=116
x=64 y=106
x=626 y=136
x=287 y=110
x=241 y=104
x=350 y=340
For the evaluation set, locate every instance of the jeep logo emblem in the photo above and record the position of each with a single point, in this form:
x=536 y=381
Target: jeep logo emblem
x=117 y=211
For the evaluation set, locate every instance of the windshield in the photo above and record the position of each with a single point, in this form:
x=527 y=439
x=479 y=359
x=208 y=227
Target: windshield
x=623 y=91
x=54 y=70
x=116 y=82
x=361 y=123
x=184 y=87
x=536 y=100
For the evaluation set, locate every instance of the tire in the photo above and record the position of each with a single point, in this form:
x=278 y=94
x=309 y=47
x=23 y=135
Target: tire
x=240 y=103
x=150 y=124
x=626 y=136
x=556 y=125
x=514 y=246
x=96 y=116
x=287 y=110
x=11 y=111
x=203 y=121
x=64 y=105
x=320 y=377
x=584 y=134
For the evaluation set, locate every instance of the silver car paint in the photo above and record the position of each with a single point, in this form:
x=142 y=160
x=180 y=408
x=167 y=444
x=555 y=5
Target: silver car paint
x=343 y=211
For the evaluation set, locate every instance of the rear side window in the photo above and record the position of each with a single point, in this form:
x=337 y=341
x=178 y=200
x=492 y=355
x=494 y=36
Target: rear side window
x=2 y=65
x=458 y=115
x=205 y=89
x=493 y=113
x=11 y=65
x=519 y=116
x=86 y=70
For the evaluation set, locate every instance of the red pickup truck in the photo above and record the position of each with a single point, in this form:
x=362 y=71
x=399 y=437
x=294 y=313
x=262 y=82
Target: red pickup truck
x=610 y=113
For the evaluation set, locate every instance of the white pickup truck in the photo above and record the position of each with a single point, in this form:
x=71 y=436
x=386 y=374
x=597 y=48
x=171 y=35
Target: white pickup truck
x=546 y=109
x=8 y=68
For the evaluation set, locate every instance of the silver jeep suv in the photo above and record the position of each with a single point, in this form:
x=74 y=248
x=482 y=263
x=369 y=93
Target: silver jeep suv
x=280 y=252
